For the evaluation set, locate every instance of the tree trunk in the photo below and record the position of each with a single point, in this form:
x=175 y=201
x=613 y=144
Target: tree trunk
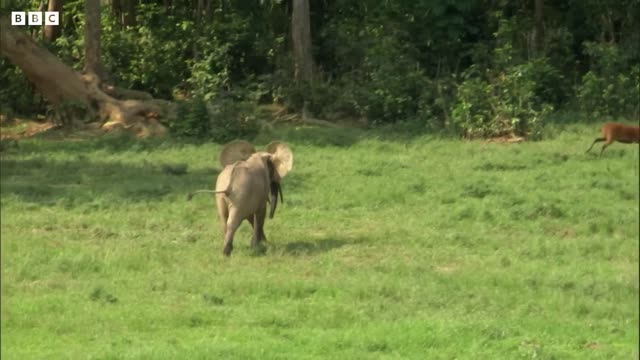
x=51 y=33
x=539 y=28
x=34 y=29
x=200 y=8
x=129 y=16
x=301 y=36
x=61 y=85
x=116 y=10
x=56 y=81
x=92 y=34
x=209 y=10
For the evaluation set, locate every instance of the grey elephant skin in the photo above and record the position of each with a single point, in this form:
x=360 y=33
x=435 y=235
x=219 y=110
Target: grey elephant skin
x=248 y=182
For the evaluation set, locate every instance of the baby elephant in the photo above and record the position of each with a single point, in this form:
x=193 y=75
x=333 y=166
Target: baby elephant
x=248 y=181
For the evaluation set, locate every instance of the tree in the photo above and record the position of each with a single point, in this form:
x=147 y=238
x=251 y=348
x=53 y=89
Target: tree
x=92 y=33
x=124 y=11
x=538 y=34
x=301 y=38
x=129 y=16
x=61 y=86
x=52 y=32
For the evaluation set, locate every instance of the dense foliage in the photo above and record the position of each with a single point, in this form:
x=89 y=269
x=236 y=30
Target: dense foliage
x=476 y=67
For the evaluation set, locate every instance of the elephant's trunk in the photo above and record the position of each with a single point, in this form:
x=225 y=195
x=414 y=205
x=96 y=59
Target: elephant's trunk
x=275 y=190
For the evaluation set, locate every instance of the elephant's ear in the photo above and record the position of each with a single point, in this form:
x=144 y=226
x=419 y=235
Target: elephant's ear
x=237 y=150
x=282 y=158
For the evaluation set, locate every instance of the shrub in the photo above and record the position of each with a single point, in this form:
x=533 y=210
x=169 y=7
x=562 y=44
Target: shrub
x=472 y=112
x=502 y=103
x=234 y=120
x=192 y=119
x=221 y=122
x=16 y=93
x=611 y=87
x=390 y=81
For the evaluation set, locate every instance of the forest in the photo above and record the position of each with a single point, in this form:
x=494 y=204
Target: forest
x=470 y=68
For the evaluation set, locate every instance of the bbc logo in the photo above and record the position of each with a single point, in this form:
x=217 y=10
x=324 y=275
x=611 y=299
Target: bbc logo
x=35 y=18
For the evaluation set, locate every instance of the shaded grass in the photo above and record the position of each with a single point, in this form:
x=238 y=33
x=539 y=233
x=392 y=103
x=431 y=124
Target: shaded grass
x=421 y=248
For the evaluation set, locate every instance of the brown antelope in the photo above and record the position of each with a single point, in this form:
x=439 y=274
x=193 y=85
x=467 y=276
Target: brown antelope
x=623 y=133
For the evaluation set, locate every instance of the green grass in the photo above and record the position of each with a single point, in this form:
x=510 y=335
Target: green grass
x=386 y=247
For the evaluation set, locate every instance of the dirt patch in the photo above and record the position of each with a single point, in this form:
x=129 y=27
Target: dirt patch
x=17 y=129
x=592 y=345
x=279 y=114
x=506 y=139
x=446 y=268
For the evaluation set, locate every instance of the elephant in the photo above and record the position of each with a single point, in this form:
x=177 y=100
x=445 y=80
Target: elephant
x=249 y=180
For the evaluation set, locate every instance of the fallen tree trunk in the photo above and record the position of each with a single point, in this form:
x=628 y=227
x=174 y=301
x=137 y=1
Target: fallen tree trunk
x=61 y=85
x=56 y=81
x=120 y=93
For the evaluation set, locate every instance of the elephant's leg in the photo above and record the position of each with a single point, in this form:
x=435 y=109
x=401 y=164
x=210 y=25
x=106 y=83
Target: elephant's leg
x=263 y=237
x=233 y=222
x=260 y=215
x=255 y=238
x=223 y=213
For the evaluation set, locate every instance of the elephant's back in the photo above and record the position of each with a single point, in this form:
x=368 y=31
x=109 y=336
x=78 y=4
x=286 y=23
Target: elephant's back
x=245 y=185
x=222 y=182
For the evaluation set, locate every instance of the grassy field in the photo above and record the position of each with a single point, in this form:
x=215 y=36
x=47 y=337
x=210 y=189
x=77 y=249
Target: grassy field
x=386 y=247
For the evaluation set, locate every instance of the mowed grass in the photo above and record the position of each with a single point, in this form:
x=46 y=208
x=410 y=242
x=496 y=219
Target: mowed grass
x=385 y=248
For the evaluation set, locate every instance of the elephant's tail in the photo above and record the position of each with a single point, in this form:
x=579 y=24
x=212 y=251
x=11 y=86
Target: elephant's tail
x=190 y=196
x=225 y=191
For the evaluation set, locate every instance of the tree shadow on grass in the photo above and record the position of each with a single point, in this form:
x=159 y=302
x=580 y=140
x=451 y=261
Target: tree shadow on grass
x=313 y=136
x=346 y=137
x=112 y=143
x=86 y=179
x=79 y=181
x=299 y=135
x=317 y=246
x=74 y=182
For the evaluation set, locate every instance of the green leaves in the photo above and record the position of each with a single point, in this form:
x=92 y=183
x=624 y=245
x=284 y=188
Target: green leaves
x=222 y=122
x=606 y=89
x=506 y=102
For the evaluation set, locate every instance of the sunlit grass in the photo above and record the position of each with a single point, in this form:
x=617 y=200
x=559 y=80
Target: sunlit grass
x=385 y=247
